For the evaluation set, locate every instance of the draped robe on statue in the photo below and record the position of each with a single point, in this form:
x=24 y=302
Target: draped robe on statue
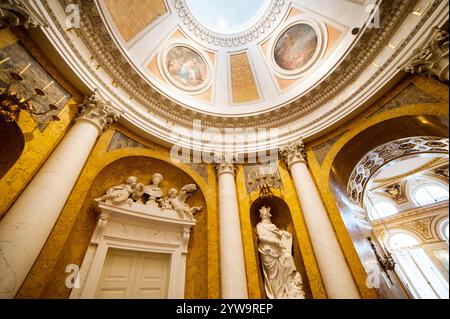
x=281 y=279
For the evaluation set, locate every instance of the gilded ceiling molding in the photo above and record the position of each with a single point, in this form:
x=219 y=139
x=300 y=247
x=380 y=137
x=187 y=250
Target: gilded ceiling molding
x=262 y=27
x=383 y=154
x=432 y=59
x=98 y=112
x=15 y=13
x=293 y=153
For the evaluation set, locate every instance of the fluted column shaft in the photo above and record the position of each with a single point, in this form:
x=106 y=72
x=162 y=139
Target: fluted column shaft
x=232 y=262
x=28 y=223
x=334 y=270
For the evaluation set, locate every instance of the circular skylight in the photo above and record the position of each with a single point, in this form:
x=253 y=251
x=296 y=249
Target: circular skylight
x=228 y=16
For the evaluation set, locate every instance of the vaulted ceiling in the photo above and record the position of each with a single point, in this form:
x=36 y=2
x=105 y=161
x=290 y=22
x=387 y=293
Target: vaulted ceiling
x=300 y=66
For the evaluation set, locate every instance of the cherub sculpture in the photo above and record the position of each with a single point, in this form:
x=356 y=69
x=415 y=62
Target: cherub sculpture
x=177 y=202
x=124 y=193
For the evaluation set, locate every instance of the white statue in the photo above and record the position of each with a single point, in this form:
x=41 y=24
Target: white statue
x=124 y=193
x=178 y=202
x=153 y=191
x=281 y=278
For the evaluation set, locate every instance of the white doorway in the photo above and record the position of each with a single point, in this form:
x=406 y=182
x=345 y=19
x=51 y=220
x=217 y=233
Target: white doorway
x=134 y=275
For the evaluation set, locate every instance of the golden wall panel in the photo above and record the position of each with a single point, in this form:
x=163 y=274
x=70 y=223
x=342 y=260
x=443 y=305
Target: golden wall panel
x=243 y=83
x=133 y=16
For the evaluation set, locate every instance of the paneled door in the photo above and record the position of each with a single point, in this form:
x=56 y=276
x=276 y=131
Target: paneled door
x=134 y=275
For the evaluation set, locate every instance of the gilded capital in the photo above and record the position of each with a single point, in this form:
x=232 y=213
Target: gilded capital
x=98 y=112
x=432 y=59
x=293 y=153
x=225 y=163
x=15 y=13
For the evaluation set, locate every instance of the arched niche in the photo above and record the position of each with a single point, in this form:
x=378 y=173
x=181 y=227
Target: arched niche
x=115 y=173
x=343 y=165
x=281 y=216
x=12 y=143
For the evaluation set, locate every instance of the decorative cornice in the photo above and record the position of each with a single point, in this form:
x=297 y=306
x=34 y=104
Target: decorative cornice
x=15 y=13
x=197 y=30
x=293 y=153
x=98 y=112
x=432 y=59
x=225 y=164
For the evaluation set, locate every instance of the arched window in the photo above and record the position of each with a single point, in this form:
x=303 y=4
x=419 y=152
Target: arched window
x=415 y=267
x=427 y=194
x=382 y=209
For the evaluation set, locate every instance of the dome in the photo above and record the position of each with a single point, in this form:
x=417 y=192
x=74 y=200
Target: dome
x=296 y=66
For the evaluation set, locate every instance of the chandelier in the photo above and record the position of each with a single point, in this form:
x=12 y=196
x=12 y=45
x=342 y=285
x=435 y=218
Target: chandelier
x=12 y=103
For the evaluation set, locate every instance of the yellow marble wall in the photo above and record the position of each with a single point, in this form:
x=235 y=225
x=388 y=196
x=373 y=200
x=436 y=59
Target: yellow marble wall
x=133 y=16
x=254 y=284
x=38 y=145
x=243 y=84
x=71 y=235
x=374 y=115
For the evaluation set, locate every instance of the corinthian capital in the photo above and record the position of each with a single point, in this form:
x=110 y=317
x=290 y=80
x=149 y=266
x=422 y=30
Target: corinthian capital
x=432 y=59
x=14 y=13
x=98 y=112
x=225 y=163
x=293 y=153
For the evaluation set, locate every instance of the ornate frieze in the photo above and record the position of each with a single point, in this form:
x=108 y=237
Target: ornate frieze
x=98 y=112
x=432 y=59
x=15 y=13
x=375 y=159
x=293 y=153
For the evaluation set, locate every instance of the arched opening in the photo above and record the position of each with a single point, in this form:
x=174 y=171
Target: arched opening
x=394 y=184
x=281 y=217
x=355 y=216
x=115 y=173
x=11 y=145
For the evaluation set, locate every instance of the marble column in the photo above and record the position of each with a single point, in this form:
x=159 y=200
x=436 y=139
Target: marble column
x=28 y=223
x=336 y=275
x=232 y=262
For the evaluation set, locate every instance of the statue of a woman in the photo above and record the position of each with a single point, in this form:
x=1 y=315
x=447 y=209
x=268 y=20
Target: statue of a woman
x=153 y=192
x=281 y=278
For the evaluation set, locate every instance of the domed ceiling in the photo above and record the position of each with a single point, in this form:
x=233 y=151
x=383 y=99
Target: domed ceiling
x=300 y=66
x=231 y=57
